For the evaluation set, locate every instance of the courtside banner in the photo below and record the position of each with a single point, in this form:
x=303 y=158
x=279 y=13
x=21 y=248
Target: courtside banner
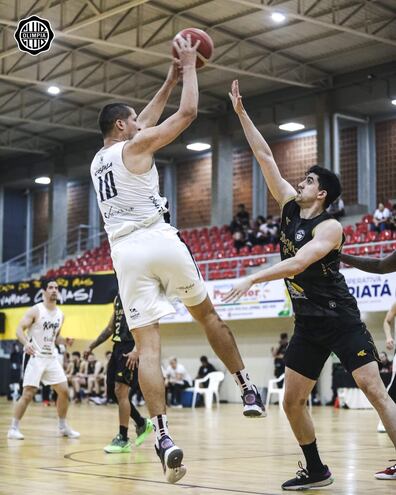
x=270 y=300
x=81 y=290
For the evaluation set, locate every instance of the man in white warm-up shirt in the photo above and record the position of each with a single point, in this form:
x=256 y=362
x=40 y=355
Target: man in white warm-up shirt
x=39 y=332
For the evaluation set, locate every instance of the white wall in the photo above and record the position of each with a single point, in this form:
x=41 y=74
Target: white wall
x=255 y=338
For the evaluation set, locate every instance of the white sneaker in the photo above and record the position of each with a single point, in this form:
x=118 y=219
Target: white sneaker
x=15 y=434
x=68 y=432
x=381 y=428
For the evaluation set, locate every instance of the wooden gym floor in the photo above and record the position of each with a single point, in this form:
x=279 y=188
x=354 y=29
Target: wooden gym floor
x=225 y=453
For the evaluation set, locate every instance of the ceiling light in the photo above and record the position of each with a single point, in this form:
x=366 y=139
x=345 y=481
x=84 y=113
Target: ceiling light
x=42 y=180
x=53 y=90
x=291 y=127
x=198 y=146
x=278 y=17
x=393 y=102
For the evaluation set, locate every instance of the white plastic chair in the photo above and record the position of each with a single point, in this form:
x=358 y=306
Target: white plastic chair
x=280 y=392
x=273 y=389
x=215 y=378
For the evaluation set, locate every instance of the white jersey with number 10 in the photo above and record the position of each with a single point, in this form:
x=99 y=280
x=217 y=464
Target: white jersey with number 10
x=127 y=201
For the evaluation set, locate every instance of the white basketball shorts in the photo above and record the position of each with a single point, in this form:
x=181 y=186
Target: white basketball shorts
x=154 y=265
x=43 y=369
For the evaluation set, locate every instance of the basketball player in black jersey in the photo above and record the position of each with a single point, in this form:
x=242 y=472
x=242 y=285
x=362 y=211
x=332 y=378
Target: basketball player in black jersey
x=121 y=379
x=327 y=318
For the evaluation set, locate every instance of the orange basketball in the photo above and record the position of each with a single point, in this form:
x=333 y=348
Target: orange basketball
x=205 y=49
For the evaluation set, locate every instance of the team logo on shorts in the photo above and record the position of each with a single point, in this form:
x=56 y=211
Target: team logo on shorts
x=133 y=313
x=332 y=304
x=34 y=35
x=300 y=234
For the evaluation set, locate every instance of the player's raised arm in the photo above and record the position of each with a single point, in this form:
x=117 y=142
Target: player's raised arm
x=152 y=139
x=327 y=237
x=371 y=265
x=152 y=112
x=280 y=189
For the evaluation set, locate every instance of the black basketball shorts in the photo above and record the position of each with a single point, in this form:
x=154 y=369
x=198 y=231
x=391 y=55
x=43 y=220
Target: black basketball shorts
x=117 y=370
x=314 y=339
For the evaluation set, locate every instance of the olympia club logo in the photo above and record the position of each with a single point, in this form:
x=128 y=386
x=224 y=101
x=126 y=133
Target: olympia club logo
x=34 y=35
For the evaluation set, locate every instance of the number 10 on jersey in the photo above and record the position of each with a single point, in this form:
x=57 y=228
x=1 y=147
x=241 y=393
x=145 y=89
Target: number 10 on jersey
x=107 y=188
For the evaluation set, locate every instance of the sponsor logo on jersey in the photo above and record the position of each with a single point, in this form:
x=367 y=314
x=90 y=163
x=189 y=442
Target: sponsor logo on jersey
x=362 y=353
x=300 y=234
x=295 y=291
x=34 y=35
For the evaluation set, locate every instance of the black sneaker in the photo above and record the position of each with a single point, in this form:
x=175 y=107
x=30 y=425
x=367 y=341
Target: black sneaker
x=253 y=406
x=171 y=458
x=305 y=480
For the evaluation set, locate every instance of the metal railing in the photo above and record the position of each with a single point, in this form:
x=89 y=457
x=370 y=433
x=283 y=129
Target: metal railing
x=37 y=261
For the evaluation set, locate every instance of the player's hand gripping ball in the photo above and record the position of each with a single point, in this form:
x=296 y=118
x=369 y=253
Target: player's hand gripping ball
x=205 y=48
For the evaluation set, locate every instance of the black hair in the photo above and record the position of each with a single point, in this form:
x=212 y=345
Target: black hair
x=47 y=281
x=328 y=181
x=110 y=113
x=76 y=353
x=203 y=359
x=283 y=335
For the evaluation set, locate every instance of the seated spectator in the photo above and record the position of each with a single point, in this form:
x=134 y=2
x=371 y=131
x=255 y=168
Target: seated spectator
x=392 y=220
x=92 y=370
x=74 y=375
x=205 y=368
x=176 y=380
x=242 y=215
x=381 y=218
x=239 y=238
x=337 y=208
x=385 y=365
x=278 y=354
x=271 y=228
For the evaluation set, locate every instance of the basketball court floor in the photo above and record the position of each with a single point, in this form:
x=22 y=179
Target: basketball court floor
x=225 y=453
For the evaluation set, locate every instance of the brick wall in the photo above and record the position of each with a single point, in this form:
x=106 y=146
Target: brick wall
x=242 y=179
x=77 y=206
x=385 y=134
x=40 y=217
x=349 y=165
x=194 y=192
x=293 y=157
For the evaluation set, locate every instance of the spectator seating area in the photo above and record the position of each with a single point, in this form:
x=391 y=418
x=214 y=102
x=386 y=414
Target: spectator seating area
x=215 y=244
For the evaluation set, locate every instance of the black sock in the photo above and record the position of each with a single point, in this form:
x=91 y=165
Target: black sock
x=311 y=454
x=124 y=432
x=135 y=415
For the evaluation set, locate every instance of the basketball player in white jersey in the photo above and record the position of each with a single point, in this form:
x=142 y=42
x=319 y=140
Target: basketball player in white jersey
x=43 y=323
x=151 y=261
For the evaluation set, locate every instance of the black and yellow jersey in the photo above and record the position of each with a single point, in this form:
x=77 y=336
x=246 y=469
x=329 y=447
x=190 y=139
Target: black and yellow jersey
x=320 y=290
x=121 y=331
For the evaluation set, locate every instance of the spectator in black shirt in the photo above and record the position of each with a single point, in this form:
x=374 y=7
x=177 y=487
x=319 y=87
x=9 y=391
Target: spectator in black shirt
x=242 y=216
x=205 y=367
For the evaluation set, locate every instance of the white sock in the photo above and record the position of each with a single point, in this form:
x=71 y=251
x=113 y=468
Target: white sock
x=62 y=423
x=160 y=427
x=15 y=423
x=242 y=380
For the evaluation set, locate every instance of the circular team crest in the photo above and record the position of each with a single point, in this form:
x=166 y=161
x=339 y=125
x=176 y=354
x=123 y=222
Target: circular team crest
x=34 y=35
x=300 y=234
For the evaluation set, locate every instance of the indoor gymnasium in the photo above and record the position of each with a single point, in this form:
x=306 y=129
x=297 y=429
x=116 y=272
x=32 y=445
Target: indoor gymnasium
x=197 y=247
